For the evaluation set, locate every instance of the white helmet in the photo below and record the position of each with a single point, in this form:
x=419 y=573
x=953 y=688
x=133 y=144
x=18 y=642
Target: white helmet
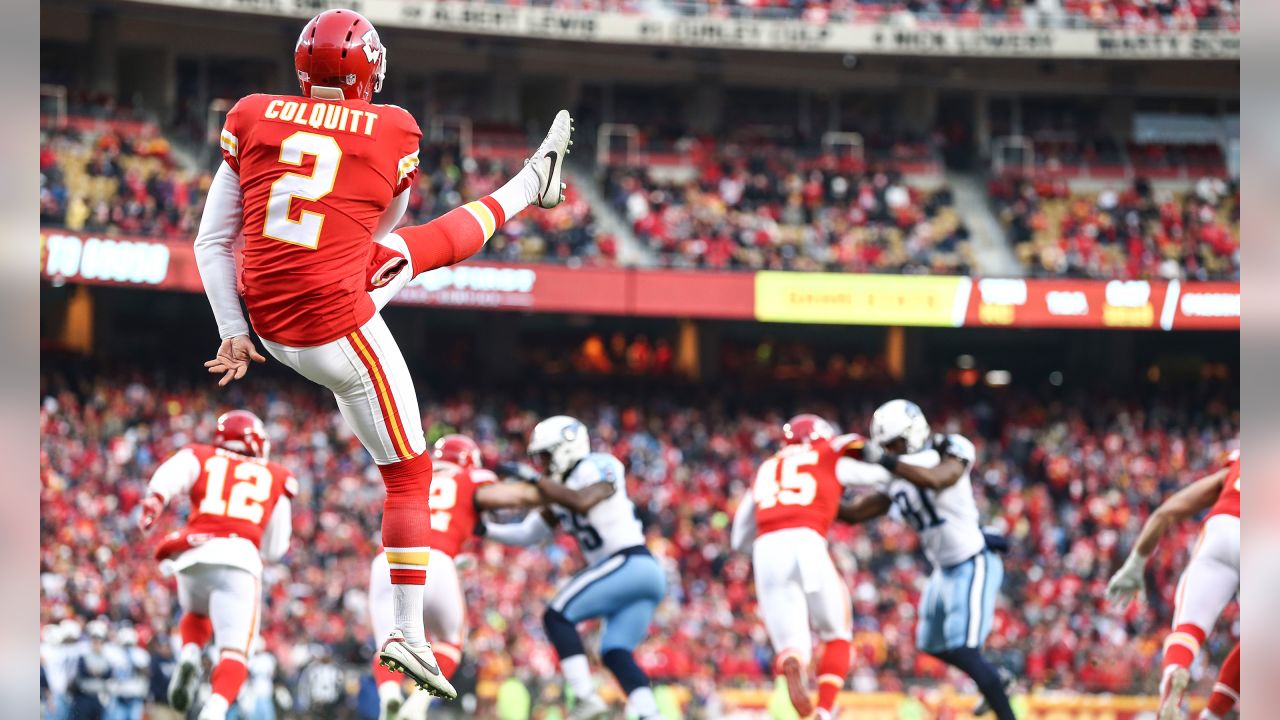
x=126 y=635
x=900 y=419
x=565 y=441
x=71 y=629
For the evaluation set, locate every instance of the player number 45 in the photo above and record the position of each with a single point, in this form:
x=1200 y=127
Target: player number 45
x=781 y=481
x=305 y=231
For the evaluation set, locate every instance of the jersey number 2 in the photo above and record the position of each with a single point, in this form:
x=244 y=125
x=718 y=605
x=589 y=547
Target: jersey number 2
x=304 y=231
x=444 y=496
x=250 y=487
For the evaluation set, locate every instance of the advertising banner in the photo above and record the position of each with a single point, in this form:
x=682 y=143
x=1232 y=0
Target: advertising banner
x=790 y=297
x=1104 y=304
x=750 y=33
x=850 y=299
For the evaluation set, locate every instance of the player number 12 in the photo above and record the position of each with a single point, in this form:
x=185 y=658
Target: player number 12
x=304 y=231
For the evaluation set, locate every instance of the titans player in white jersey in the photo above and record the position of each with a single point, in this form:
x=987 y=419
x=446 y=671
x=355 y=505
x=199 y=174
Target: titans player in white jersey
x=622 y=583
x=925 y=483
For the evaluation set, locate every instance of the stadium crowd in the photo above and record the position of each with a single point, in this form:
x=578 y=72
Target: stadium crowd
x=121 y=177
x=1124 y=232
x=1070 y=480
x=727 y=205
x=765 y=208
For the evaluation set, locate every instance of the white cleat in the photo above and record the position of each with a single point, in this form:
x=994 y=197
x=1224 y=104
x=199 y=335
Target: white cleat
x=418 y=664
x=1172 y=690
x=183 y=684
x=548 y=160
x=592 y=707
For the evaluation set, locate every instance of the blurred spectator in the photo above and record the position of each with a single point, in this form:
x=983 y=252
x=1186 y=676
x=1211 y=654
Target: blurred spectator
x=1130 y=233
x=1070 y=481
x=763 y=208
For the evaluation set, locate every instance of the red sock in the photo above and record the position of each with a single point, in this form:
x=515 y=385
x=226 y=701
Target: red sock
x=384 y=674
x=406 y=518
x=1226 y=692
x=833 y=668
x=195 y=629
x=448 y=656
x=454 y=236
x=229 y=674
x=1182 y=645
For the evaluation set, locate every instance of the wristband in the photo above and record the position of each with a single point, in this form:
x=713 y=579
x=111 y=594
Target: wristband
x=889 y=461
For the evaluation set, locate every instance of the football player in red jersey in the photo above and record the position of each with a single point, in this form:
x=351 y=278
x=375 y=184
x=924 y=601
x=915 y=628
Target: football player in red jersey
x=460 y=490
x=311 y=181
x=787 y=513
x=1211 y=579
x=239 y=504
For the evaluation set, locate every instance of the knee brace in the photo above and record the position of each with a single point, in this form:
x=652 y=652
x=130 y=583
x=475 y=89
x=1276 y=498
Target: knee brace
x=563 y=634
x=970 y=661
x=623 y=666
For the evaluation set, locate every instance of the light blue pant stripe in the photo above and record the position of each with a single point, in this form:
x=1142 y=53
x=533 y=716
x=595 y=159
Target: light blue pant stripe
x=624 y=590
x=958 y=604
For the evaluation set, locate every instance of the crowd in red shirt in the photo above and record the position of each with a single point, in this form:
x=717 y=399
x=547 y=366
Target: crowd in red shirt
x=121 y=178
x=1069 y=481
x=766 y=208
x=1125 y=232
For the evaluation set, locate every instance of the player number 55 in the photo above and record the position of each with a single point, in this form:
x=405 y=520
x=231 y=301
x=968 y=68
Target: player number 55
x=304 y=231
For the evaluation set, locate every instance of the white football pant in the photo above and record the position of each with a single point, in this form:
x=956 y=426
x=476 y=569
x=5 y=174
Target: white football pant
x=1212 y=577
x=371 y=382
x=798 y=586
x=229 y=596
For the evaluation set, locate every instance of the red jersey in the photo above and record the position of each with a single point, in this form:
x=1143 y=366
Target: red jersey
x=1229 y=499
x=232 y=496
x=453 y=505
x=315 y=176
x=800 y=486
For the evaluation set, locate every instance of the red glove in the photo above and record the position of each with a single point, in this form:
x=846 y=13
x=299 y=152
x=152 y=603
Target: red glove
x=151 y=509
x=384 y=265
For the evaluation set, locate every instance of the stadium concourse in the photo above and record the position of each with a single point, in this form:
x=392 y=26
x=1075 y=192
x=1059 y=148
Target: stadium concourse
x=1069 y=477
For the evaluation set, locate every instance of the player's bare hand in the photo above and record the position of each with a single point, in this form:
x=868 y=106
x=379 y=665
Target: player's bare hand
x=234 y=356
x=151 y=509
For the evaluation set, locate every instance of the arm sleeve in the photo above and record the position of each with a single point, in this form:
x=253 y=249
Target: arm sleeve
x=219 y=227
x=855 y=472
x=175 y=476
x=958 y=446
x=393 y=214
x=744 y=524
x=407 y=154
x=531 y=531
x=279 y=530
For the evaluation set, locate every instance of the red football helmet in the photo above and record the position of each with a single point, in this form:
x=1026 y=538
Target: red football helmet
x=457 y=449
x=340 y=49
x=240 y=431
x=806 y=428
